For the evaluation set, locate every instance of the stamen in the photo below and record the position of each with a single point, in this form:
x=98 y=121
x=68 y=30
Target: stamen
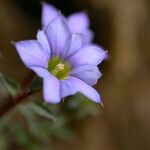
x=60 y=67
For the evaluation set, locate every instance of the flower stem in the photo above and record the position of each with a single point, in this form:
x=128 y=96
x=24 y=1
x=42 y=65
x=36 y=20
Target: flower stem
x=27 y=79
x=11 y=102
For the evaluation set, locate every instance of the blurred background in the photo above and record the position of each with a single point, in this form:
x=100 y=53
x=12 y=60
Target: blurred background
x=122 y=27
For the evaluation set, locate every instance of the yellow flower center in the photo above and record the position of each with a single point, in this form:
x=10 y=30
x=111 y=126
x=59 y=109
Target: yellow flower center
x=60 y=69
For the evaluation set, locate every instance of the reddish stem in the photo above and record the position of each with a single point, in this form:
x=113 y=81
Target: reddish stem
x=27 y=79
x=11 y=102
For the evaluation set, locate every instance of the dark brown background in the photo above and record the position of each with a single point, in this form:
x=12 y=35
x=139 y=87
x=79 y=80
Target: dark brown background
x=123 y=28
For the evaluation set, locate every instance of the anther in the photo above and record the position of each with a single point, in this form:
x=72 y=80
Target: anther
x=59 y=67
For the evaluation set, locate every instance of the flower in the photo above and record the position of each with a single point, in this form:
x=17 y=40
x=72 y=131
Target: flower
x=77 y=22
x=66 y=66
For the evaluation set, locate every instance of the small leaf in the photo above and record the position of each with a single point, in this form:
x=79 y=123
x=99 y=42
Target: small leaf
x=41 y=111
x=11 y=85
x=36 y=84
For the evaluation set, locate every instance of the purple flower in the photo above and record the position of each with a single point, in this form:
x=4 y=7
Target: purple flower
x=77 y=22
x=66 y=66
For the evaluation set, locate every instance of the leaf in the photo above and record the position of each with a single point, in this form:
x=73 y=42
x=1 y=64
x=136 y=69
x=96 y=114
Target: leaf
x=41 y=111
x=36 y=84
x=11 y=85
x=22 y=137
x=82 y=106
x=3 y=141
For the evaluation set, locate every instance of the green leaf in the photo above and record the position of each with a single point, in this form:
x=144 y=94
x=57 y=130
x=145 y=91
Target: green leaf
x=22 y=137
x=42 y=112
x=11 y=85
x=82 y=106
x=36 y=84
x=3 y=141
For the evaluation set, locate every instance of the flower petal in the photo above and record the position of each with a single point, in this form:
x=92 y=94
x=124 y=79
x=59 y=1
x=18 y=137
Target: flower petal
x=58 y=34
x=73 y=85
x=66 y=88
x=92 y=55
x=78 y=22
x=42 y=39
x=41 y=72
x=51 y=90
x=87 y=73
x=76 y=44
x=87 y=37
x=31 y=53
x=48 y=13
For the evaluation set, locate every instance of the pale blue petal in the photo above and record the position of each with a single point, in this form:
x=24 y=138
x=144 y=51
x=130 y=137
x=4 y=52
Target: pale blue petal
x=74 y=85
x=31 y=53
x=51 y=90
x=48 y=13
x=75 y=45
x=78 y=22
x=41 y=72
x=67 y=88
x=59 y=35
x=92 y=55
x=42 y=39
x=51 y=85
x=87 y=73
x=87 y=37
